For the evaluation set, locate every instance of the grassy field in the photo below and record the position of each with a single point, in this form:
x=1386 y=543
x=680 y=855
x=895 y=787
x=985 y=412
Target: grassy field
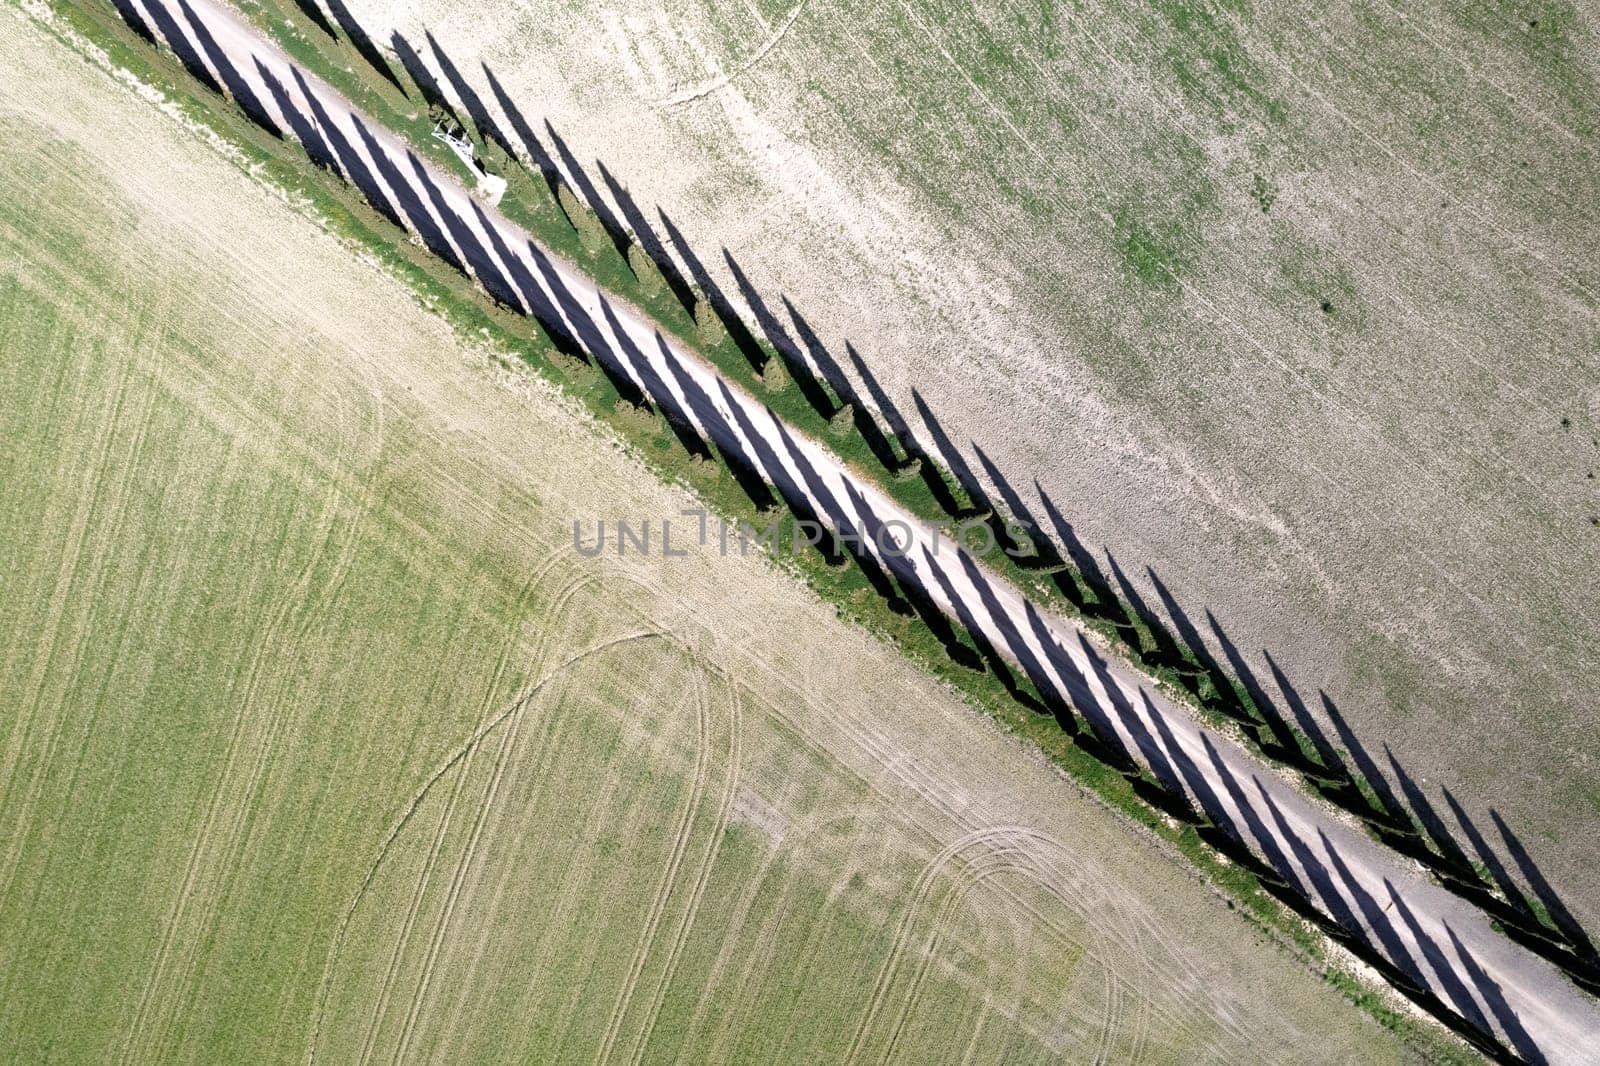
x=318 y=739
x=1299 y=310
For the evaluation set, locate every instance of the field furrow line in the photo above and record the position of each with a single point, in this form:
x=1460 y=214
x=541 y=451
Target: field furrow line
x=1478 y=74
x=1109 y=1012
x=104 y=569
x=418 y=891
x=508 y=743
x=539 y=766
x=50 y=635
x=400 y=824
x=680 y=844
x=1141 y=1027
x=269 y=726
x=214 y=810
x=970 y=1052
x=971 y=875
x=724 y=807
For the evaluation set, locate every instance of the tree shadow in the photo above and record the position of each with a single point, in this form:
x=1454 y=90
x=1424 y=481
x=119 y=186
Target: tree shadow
x=977 y=502
x=416 y=69
x=135 y=21
x=345 y=155
x=1040 y=554
x=1093 y=596
x=794 y=360
x=488 y=129
x=715 y=301
x=362 y=43
x=615 y=231
x=238 y=88
x=310 y=10
x=533 y=149
x=178 y=41
x=649 y=241
x=1577 y=938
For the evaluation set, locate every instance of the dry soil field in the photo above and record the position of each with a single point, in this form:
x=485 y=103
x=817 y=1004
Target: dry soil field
x=319 y=740
x=1299 y=309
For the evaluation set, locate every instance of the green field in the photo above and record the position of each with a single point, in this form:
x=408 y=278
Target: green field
x=318 y=741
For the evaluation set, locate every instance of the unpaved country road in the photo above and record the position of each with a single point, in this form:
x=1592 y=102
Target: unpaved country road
x=1441 y=941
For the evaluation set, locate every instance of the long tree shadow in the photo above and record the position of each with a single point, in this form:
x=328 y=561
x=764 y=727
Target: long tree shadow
x=1094 y=591
x=898 y=430
x=711 y=293
x=533 y=149
x=1578 y=940
x=316 y=148
x=794 y=359
x=130 y=15
x=404 y=192
x=179 y=42
x=311 y=11
x=720 y=432
x=344 y=153
x=615 y=231
x=649 y=241
x=1050 y=699
x=977 y=502
x=362 y=43
x=416 y=69
x=852 y=412
x=1521 y=1042
x=488 y=129
x=238 y=87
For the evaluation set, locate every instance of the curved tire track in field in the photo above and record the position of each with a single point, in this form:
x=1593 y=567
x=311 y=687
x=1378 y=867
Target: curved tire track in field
x=508 y=744
x=988 y=865
x=680 y=844
x=554 y=612
x=416 y=801
x=442 y=925
x=1013 y=850
x=1109 y=929
x=1125 y=926
x=420 y=1005
x=924 y=887
x=713 y=846
x=706 y=88
x=397 y=953
x=537 y=576
x=425 y=874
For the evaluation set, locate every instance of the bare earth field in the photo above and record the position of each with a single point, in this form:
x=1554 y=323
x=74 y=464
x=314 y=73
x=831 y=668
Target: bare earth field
x=1299 y=310
x=318 y=740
